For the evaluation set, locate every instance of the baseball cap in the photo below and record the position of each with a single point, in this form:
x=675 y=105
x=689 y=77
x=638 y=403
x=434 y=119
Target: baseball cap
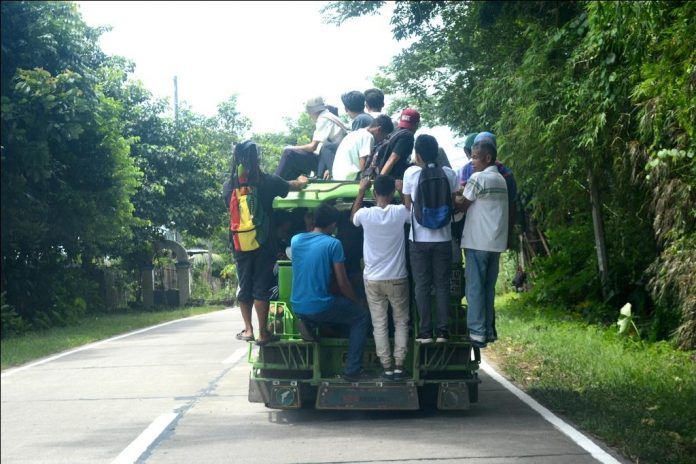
x=485 y=135
x=469 y=141
x=409 y=119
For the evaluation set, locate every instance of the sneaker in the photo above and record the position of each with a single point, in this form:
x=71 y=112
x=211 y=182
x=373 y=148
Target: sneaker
x=388 y=375
x=442 y=336
x=399 y=373
x=424 y=337
x=359 y=376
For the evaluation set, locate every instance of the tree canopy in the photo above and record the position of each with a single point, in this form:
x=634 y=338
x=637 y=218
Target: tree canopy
x=92 y=164
x=583 y=96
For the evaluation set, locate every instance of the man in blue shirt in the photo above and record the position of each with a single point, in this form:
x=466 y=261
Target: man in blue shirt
x=354 y=104
x=316 y=258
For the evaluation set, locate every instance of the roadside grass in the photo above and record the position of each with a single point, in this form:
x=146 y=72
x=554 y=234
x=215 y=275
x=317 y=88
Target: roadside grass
x=637 y=397
x=19 y=350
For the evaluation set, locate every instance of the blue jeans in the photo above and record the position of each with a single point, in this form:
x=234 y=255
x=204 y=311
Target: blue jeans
x=481 y=274
x=431 y=265
x=351 y=315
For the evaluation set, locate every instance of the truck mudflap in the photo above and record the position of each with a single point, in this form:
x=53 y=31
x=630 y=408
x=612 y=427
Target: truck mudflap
x=367 y=396
x=453 y=395
x=276 y=393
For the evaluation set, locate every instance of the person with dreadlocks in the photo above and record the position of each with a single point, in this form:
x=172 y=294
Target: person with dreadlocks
x=249 y=194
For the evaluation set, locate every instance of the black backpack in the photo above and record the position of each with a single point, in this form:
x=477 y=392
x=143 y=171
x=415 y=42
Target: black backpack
x=433 y=204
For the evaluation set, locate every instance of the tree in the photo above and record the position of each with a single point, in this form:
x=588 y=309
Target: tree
x=67 y=178
x=593 y=103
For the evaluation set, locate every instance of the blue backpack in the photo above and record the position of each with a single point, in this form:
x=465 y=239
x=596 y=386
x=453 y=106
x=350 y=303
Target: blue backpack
x=433 y=204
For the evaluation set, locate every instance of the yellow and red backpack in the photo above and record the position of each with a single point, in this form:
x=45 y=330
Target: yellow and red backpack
x=249 y=223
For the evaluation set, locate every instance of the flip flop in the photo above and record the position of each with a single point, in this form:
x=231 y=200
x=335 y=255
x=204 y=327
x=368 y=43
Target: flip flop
x=267 y=340
x=245 y=338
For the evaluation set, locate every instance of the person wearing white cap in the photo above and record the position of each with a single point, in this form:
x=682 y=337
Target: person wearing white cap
x=303 y=159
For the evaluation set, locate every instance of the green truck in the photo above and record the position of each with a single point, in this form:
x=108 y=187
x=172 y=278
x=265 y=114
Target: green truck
x=294 y=373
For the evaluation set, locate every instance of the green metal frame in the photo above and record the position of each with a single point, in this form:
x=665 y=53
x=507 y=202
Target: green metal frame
x=319 y=191
x=292 y=364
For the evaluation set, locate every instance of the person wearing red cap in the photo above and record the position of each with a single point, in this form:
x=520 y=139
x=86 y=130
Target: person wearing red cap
x=393 y=159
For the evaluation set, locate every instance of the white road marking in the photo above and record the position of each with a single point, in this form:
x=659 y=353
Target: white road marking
x=92 y=345
x=138 y=446
x=236 y=356
x=572 y=433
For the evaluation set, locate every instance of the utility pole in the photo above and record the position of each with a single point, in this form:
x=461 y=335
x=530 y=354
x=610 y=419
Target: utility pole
x=176 y=101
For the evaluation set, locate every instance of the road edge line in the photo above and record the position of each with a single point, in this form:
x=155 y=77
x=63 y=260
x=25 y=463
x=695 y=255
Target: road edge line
x=88 y=346
x=571 y=432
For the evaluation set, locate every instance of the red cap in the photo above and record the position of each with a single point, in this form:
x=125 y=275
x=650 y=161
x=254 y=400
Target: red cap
x=409 y=119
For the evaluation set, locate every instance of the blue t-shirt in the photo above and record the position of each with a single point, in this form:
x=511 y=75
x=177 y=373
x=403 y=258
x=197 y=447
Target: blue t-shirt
x=361 y=120
x=313 y=257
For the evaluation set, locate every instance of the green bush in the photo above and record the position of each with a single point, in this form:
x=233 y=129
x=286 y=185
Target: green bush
x=569 y=275
x=10 y=322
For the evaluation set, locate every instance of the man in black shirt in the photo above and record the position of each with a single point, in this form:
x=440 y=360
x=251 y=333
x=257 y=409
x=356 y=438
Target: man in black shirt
x=255 y=267
x=394 y=158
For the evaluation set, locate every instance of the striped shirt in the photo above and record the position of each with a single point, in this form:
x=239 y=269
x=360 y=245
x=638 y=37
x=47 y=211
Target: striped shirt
x=486 y=226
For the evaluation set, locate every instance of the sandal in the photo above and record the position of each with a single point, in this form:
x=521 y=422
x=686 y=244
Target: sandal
x=245 y=338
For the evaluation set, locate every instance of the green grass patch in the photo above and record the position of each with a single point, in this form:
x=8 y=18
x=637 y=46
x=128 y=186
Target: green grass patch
x=22 y=349
x=635 y=396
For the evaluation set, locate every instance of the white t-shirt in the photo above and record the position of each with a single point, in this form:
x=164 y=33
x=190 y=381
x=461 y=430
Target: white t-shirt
x=329 y=128
x=357 y=144
x=486 y=226
x=423 y=234
x=384 y=247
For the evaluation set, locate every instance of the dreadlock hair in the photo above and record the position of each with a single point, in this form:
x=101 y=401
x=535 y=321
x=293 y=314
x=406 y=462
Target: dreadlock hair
x=245 y=162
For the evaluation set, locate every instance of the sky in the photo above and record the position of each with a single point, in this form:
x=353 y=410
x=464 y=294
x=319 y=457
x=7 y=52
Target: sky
x=273 y=55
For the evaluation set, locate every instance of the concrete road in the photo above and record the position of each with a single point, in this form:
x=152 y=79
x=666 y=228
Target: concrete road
x=177 y=393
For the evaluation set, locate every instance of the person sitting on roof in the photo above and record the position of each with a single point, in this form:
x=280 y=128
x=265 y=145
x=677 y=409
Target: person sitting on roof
x=304 y=159
x=354 y=104
x=374 y=102
x=394 y=156
x=355 y=148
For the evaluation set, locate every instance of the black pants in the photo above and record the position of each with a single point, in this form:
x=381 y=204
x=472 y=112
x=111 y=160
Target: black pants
x=294 y=162
x=431 y=265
